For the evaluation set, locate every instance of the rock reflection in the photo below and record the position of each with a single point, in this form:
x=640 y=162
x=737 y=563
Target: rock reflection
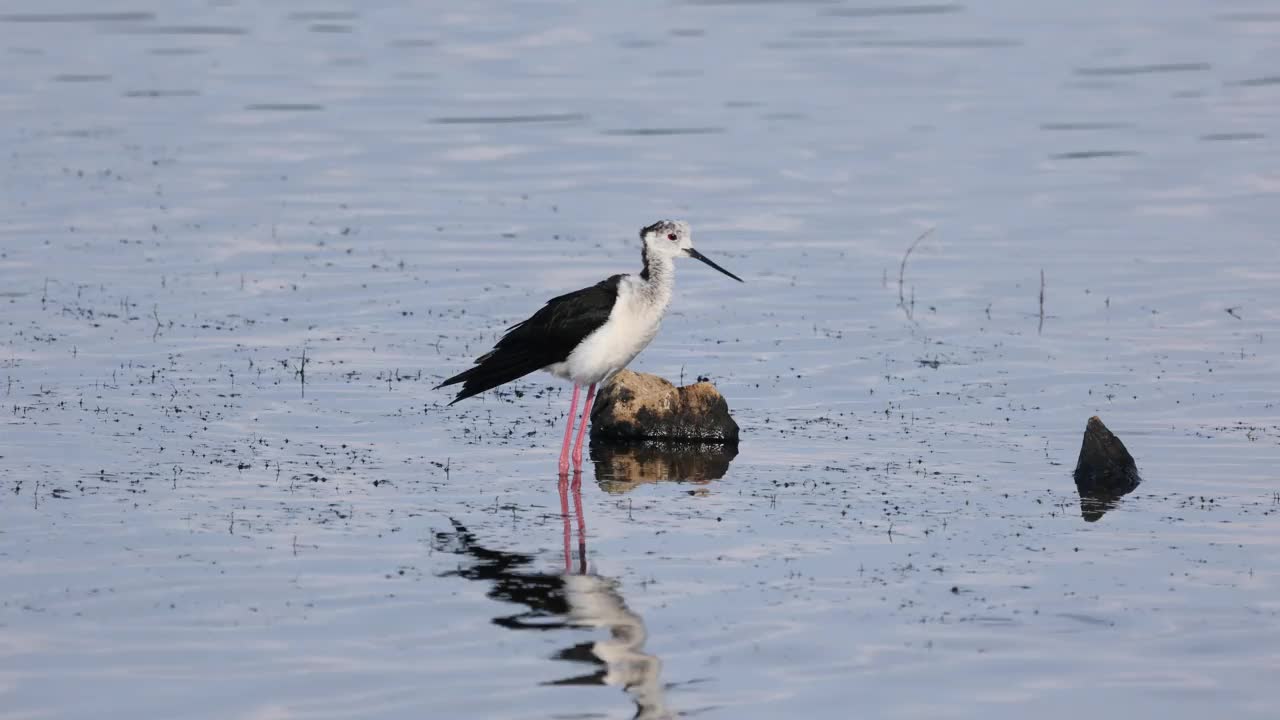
x=621 y=468
x=574 y=598
x=1094 y=506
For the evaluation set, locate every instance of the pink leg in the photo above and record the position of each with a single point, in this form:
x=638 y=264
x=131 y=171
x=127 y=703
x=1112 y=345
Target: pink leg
x=568 y=432
x=582 y=524
x=564 y=513
x=582 y=429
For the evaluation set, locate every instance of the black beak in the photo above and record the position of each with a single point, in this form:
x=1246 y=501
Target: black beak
x=699 y=256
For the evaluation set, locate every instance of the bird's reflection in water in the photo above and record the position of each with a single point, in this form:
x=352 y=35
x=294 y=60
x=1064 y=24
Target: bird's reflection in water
x=620 y=469
x=575 y=598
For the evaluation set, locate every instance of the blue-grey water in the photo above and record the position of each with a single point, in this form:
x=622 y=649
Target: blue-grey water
x=240 y=242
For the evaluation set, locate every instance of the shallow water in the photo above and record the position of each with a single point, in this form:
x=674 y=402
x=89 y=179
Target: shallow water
x=240 y=244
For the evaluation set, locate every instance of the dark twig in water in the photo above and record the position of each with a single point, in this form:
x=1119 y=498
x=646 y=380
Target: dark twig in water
x=1040 y=329
x=302 y=371
x=902 y=270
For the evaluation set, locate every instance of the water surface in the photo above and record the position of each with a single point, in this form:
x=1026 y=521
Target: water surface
x=241 y=243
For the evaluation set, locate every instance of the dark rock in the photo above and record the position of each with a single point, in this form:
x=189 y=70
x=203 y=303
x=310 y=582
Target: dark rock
x=1105 y=471
x=636 y=406
x=621 y=468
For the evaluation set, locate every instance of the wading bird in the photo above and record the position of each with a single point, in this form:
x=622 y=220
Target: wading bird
x=588 y=335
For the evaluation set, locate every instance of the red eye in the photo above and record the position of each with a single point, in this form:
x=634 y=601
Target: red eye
x=671 y=237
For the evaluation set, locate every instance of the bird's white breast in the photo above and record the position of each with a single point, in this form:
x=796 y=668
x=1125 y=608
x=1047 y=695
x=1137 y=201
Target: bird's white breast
x=631 y=326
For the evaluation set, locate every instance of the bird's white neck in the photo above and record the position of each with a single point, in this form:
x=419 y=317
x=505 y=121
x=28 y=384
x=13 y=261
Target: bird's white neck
x=658 y=278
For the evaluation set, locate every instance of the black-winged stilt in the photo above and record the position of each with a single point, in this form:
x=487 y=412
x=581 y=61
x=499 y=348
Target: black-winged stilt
x=588 y=335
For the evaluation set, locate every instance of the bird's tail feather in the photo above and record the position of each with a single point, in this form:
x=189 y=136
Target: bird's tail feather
x=496 y=369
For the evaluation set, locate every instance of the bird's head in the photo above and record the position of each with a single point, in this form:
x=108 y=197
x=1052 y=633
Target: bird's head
x=674 y=238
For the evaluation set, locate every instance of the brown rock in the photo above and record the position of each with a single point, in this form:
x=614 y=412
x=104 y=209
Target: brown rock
x=637 y=406
x=1105 y=471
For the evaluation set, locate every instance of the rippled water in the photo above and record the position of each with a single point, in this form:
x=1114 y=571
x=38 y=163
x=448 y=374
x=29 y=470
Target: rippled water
x=240 y=243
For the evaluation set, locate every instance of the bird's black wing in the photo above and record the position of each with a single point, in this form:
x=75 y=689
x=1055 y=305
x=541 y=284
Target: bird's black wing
x=547 y=337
